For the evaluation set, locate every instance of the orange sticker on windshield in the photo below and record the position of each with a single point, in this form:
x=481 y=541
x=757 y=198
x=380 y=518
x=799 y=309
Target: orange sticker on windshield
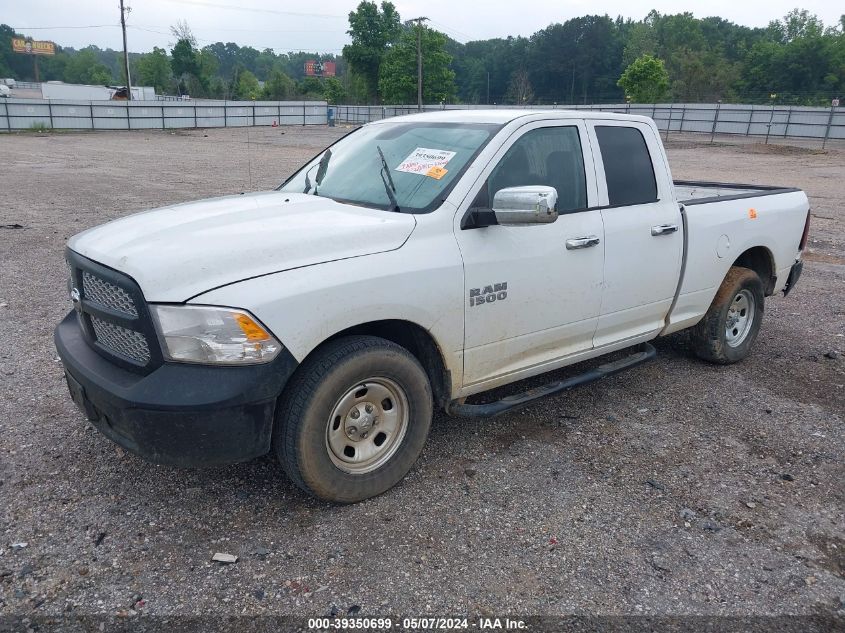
x=752 y=213
x=436 y=172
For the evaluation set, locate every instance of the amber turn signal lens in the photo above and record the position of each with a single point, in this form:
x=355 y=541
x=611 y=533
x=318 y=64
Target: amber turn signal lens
x=253 y=331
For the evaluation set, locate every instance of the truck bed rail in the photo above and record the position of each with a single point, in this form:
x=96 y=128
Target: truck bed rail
x=691 y=192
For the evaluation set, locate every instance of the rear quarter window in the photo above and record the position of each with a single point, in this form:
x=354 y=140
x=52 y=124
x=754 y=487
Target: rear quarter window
x=627 y=165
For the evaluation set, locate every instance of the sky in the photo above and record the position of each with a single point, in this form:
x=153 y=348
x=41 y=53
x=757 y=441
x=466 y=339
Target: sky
x=321 y=26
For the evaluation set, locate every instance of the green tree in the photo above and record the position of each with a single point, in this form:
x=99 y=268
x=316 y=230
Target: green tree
x=488 y=64
x=193 y=69
x=310 y=88
x=520 y=91
x=218 y=88
x=49 y=68
x=246 y=86
x=85 y=68
x=183 y=59
x=576 y=61
x=398 y=76
x=333 y=90
x=645 y=80
x=702 y=76
x=153 y=69
x=207 y=68
x=800 y=23
x=641 y=40
x=10 y=64
x=279 y=86
x=226 y=56
x=373 y=32
x=356 y=88
x=798 y=60
x=265 y=63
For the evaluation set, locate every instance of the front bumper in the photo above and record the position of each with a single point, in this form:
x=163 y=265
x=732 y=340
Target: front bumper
x=179 y=414
x=794 y=275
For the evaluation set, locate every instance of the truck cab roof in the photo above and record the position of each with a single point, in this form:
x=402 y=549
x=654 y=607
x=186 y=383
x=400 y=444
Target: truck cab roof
x=503 y=116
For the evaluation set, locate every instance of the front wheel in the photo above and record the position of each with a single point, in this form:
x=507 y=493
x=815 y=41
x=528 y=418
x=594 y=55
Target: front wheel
x=730 y=326
x=354 y=419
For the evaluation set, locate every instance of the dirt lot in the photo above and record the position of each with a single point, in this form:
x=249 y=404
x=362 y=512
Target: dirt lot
x=679 y=488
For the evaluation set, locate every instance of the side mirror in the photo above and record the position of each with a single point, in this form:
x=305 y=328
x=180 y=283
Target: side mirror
x=532 y=204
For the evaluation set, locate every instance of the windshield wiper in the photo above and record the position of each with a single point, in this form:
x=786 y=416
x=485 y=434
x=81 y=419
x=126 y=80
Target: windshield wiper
x=308 y=180
x=322 y=168
x=386 y=178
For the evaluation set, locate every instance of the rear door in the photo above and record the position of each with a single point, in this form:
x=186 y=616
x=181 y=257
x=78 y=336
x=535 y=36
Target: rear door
x=531 y=298
x=642 y=230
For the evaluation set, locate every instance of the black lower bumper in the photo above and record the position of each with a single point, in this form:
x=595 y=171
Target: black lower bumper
x=179 y=414
x=794 y=275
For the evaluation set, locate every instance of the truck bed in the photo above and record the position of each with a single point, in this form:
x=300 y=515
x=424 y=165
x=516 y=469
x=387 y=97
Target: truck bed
x=724 y=220
x=691 y=192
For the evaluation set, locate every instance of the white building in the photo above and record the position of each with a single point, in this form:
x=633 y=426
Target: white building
x=61 y=90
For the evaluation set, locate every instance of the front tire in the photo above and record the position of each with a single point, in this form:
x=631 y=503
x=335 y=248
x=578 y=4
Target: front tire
x=354 y=419
x=730 y=326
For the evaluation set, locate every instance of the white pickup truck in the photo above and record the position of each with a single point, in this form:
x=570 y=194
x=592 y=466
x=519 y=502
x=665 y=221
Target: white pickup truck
x=417 y=261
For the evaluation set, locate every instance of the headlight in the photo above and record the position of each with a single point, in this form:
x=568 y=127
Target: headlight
x=202 y=334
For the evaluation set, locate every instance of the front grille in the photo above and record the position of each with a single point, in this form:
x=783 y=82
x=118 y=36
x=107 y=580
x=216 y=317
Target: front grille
x=122 y=340
x=107 y=294
x=113 y=314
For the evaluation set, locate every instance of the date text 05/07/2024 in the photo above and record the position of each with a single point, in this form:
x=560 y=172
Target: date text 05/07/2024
x=416 y=624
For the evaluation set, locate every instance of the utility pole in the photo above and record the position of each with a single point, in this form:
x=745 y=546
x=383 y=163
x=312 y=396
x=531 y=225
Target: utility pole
x=488 y=87
x=123 y=12
x=419 y=22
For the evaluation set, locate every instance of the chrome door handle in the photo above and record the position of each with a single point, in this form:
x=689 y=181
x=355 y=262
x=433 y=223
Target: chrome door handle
x=581 y=242
x=663 y=229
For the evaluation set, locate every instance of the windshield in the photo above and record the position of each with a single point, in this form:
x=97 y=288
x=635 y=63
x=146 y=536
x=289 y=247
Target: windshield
x=421 y=163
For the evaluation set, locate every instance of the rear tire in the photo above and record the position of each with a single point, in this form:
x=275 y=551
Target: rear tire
x=354 y=419
x=730 y=326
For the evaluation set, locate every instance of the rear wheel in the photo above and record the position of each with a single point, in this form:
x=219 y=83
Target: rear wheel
x=354 y=419
x=730 y=326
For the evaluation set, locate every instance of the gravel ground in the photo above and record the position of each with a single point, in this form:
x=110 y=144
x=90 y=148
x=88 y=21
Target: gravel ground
x=678 y=488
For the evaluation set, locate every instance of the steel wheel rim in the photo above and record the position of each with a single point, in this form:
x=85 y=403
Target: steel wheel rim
x=367 y=425
x=740 y=318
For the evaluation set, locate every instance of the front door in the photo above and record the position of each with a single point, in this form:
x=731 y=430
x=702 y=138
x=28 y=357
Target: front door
x=529 y=298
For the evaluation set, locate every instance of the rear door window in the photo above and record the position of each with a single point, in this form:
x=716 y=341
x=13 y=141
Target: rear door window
x=627 y=165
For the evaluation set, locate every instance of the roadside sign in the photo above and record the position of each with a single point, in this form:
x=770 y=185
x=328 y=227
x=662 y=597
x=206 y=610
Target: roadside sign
x=315 y=68
x=32 y=47
x=834 y=103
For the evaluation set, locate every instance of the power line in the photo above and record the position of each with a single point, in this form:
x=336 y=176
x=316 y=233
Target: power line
x=153 y=29
x=455 y=31
x=334 y=31
x=217 y=5
x=148 y=30
x=55 y=28
x=259 y=46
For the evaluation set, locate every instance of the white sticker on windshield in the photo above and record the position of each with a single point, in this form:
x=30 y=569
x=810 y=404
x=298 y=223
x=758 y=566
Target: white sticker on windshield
x=422 y=159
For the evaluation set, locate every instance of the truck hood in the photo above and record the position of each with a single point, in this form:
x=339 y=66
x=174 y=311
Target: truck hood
x=177 y=252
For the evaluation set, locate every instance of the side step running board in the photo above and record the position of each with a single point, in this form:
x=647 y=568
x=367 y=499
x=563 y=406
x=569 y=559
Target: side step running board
x=645 y=353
